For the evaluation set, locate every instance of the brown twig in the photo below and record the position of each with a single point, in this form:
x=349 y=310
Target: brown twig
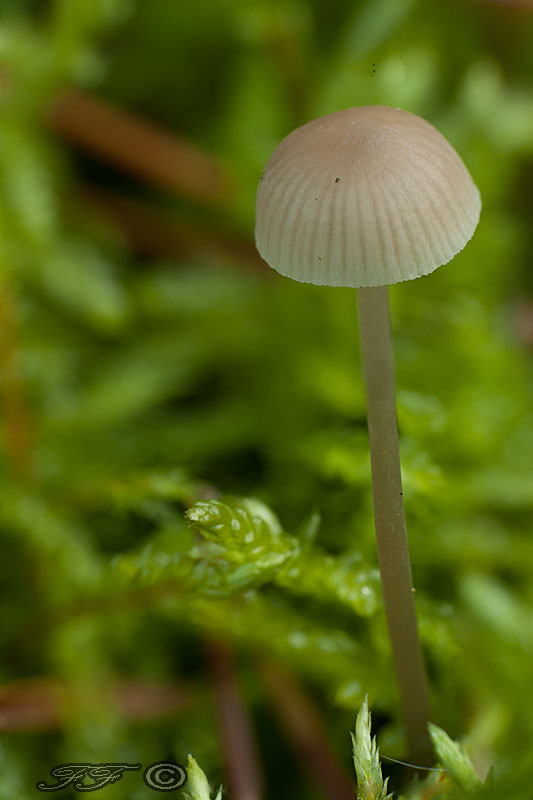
x=38 y=704
x=142 y=148
x=510 y=5
x=16 y=419
x=303 y=726
x=153 y=233
x=522 y=322
x=236 y=733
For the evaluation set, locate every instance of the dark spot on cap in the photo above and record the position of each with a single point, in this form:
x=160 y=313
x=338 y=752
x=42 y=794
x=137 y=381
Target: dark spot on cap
x=337 y=180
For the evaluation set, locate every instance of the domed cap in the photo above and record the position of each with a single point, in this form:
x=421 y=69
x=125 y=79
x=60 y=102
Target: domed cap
x=364 y=197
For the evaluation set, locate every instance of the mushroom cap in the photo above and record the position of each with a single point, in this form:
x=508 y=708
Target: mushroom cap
x=364 y=197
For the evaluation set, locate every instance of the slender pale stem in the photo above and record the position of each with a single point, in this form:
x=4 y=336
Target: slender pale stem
x=391 y=532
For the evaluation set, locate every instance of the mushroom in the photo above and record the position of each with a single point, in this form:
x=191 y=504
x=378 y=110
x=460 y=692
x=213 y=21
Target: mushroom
x=366 y=197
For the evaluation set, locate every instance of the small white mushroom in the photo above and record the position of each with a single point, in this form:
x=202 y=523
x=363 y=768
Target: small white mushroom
x=366 y=197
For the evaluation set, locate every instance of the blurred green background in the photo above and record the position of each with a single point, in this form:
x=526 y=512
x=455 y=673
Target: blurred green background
x=149 y=360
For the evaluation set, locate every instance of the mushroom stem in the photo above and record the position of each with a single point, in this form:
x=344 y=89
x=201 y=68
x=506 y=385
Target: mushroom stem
x=391 y=532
